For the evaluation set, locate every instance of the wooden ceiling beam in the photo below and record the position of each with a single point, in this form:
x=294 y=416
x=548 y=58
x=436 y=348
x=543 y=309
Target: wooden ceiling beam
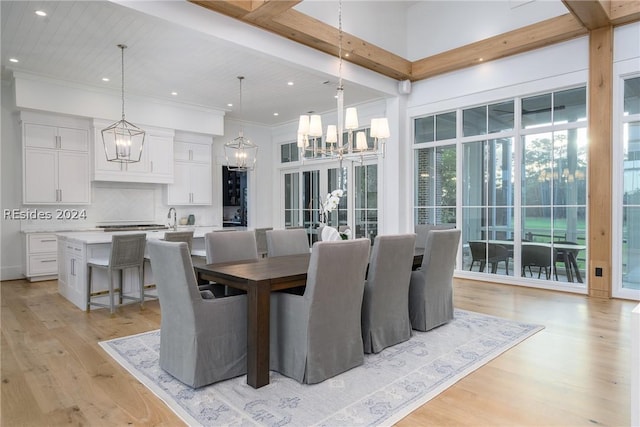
x=624 y=12
x=278 y=16
x=592 y=14
x=524 y=39
x=318 y=35
x=265 y=10
x=234 y=8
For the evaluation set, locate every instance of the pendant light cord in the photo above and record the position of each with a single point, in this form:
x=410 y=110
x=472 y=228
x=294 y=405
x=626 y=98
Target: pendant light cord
x=340 y=45
x=122 y=48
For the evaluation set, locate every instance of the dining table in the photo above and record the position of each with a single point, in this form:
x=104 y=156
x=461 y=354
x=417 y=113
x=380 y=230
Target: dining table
x=259 y=278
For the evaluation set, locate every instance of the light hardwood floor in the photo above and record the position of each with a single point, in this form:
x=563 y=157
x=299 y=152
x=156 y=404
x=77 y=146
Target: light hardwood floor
x=574 y=372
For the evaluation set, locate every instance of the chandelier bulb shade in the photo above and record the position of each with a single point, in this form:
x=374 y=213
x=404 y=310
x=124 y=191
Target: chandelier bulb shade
x=122 y=140
x=241 y=154
x=309 y=135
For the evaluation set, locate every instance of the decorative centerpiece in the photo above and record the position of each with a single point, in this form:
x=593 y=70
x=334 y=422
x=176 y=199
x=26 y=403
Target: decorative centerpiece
x=331 y=202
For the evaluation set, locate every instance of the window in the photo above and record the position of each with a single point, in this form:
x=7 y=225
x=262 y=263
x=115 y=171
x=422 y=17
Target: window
x=522 y=182
x=289 y=152
x=631 y=186
x=435 y=185
x=292 y=199
x=366 y=201
x=435 y=128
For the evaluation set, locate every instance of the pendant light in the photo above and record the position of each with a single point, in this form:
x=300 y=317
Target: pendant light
x=123 y=141
x=310 y=127
x=241 y=154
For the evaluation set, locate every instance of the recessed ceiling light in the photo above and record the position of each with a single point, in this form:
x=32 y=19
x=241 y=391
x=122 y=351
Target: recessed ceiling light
x=290 y=83
x=229 y=105
x=105 y=79
x=174 y=93
x=41 y=13
x=13 y=60
x=276 y=114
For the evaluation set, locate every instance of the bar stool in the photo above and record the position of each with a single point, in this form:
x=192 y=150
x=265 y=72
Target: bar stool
x=127 y=251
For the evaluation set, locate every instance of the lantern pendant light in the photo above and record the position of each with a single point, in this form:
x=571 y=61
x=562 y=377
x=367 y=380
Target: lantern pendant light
x=241 y=154
x=123 y=141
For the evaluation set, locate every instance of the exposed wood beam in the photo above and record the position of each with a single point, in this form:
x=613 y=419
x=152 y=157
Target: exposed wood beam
x=591 y=13
x=264 y=11
x=278 y=16
x=624 y=11
x=534 y=36
x=234 y=8
x=314 y=33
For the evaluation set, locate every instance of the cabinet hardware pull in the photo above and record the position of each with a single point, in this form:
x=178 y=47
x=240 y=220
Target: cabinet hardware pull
x=73 y=266
x=48 y=260
x=47 y=240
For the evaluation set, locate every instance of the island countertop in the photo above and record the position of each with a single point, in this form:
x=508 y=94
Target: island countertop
x=97 y=237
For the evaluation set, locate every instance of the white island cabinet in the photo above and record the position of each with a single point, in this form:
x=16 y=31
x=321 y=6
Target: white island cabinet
x=77 y=247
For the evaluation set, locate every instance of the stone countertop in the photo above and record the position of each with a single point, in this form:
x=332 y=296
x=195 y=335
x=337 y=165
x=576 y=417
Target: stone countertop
x=97 y=237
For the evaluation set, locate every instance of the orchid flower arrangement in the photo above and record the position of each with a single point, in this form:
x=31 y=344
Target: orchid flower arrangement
x=331 y=202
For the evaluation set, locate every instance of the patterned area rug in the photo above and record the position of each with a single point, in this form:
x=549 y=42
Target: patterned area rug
x=386 y=388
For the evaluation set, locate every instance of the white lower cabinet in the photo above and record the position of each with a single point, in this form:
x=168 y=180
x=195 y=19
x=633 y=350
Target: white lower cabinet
x=41 y=256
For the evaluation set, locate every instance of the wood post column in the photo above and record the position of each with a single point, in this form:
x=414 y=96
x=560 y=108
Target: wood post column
x=600 y=157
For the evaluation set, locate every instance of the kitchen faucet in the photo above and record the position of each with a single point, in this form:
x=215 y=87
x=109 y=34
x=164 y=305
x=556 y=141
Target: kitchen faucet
x=173 y=221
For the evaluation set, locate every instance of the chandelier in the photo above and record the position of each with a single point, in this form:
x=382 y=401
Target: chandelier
x=310 y=134
x=123 y=140
x=241 y=154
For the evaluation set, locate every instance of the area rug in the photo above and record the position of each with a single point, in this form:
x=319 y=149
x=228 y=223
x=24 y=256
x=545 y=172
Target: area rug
x=385 y=389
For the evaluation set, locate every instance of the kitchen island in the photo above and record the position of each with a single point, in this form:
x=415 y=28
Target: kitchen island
x=76 y=247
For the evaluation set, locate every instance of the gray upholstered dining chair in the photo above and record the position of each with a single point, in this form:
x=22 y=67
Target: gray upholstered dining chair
x=423 y=229
x=385 y=306
x=318 y=335
x=201 y=340
x=431 y=288
x=127 y=251
x=287 y=242
x=229 y=246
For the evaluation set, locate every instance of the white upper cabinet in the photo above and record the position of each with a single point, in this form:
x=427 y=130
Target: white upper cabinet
x=193 y=181
x=155 y=165
x=55 y=160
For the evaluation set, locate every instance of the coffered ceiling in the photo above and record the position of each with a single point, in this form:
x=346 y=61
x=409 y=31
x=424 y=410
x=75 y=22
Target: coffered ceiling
x=77 y=42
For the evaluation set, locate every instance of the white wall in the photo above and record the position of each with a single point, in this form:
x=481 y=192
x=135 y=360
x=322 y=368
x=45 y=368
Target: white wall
x=566 y=63
x=438 y=26
x=11 y=259
x=381 y=23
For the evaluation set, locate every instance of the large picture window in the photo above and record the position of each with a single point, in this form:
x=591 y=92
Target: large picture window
x=630 y=268
x=520 y=194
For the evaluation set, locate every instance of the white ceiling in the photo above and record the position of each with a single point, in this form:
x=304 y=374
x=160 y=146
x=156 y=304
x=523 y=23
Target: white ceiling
x=77 y=41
